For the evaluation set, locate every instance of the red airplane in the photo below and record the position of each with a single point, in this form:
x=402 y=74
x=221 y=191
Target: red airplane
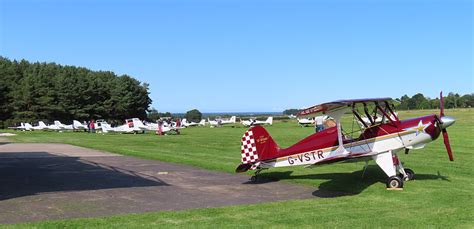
x=380 y=135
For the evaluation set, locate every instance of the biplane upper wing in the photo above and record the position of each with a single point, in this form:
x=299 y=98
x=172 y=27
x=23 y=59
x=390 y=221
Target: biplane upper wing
x=339 y=104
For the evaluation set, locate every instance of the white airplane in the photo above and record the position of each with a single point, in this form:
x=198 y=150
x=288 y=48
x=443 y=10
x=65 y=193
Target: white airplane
x=254 y=122
x=53 y=127
x=20 y=127
x=133 y=125
x=98 y=123
x=78 y=125
x=106 y=128
x=221 y=122
x=185 y=123
x=306 y=121
x=40 y=126
x=164 y=128
x=63 y=126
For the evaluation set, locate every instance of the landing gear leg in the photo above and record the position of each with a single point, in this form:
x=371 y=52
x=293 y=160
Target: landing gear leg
x=406 y=174
x=388 y=162
x=254 y=178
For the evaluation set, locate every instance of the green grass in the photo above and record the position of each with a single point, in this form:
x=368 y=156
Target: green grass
x=442 y=195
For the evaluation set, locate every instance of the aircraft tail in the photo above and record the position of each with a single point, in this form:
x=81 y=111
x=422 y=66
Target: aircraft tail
x=76 y=124
x=257 y=145
x=28 y=126
x=58 y=123
x=269 y=121
x=41 y=124
x=202 y=122
x=233 y=119
x=138 y=123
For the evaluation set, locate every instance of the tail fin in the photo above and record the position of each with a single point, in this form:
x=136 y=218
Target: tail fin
x=138 y=123
x=28 y=126
x=41 y=124
x=106 y=127
x=58 y=123
x=232 y=119
x=257 y=145
x=269 y=120
x=76 y=124
x=202 y=122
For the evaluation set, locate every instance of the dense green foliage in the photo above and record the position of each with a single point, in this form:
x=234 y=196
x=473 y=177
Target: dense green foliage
x=441 y=195
x=193 y=115
x=48 y=91
x=419 y=101
x=154 y=115
x=290 y=111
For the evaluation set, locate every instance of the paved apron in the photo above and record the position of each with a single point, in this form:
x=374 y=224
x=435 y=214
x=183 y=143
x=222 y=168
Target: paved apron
x=58 y=181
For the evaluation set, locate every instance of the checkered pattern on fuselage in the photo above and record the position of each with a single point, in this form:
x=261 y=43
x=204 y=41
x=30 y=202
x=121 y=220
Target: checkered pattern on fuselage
x=249 y=149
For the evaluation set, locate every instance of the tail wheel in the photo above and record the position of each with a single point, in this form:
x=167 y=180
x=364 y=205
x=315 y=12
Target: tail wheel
x=394 y=182
x=253 y=178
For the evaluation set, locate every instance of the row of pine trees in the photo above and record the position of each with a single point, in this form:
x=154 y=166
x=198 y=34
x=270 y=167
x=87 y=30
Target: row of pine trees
x=48 y=91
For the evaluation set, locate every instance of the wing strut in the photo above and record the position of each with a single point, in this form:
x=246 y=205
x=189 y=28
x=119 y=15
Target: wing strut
x=337 y=114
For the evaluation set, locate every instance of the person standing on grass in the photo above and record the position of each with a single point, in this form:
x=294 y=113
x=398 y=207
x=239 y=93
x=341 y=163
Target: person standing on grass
x=92 y=124
x=159 y=130
x=319 y=121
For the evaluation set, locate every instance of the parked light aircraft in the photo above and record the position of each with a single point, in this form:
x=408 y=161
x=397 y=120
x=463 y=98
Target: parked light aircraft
x=20 y=127
x=254 y=122
x=185 y=123
x=380 y=142
x=169 y=127
x=63 y=126
x=54 y=127
x=40 y=126
x=305 y=121
x=78 y=125
x=221 y=122
x=131 y=126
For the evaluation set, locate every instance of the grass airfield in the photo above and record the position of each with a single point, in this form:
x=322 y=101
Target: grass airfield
x=441 y=195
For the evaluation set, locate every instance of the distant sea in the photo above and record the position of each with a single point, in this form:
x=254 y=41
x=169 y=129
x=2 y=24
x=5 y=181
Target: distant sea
x=238 y=114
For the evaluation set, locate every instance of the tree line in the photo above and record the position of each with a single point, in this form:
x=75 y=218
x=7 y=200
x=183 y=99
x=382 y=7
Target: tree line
x=421 y=102
x=49 y=91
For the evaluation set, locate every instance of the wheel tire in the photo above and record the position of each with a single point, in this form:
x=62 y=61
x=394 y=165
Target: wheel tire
x=253 y=178
x=394 y=182
x=410 y=174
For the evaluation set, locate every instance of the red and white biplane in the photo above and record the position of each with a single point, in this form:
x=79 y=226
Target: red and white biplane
x=380 y=139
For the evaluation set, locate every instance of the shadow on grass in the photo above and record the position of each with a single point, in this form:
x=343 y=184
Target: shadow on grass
x=342 y=184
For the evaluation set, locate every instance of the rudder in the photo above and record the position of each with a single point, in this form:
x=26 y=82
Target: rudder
x=256 y=145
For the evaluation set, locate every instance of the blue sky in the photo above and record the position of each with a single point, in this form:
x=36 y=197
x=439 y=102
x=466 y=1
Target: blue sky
x=253 y=55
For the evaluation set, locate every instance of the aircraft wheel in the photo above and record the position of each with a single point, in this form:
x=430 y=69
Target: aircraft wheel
x=394 y=182
x=253 y=178
x=410 y=174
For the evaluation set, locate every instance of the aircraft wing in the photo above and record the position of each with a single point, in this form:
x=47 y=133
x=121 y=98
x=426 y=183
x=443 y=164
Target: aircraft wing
x=340 y=104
